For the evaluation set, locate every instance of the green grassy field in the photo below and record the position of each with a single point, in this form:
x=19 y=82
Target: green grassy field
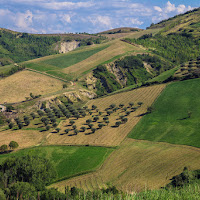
x=67 y=60
x=68 y=160
x=170 y=121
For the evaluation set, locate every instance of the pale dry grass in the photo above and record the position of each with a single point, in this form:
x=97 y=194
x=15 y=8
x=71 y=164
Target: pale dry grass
x=25 y=138
x=109 y=136
x=137 y=165
x=18 y=86
x=116 y=48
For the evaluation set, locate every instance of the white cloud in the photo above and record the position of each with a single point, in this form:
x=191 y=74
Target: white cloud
x=66 y=5
x=24 y=20
x=101 y=21
x=170 y=7
x=168 y=11
x=66 y=18
x=157 y=8
x=134 y=21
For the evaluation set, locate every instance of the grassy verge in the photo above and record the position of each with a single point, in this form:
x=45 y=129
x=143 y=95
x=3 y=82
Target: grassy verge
x=175 y=118
x=68 y=160
x=165 y=75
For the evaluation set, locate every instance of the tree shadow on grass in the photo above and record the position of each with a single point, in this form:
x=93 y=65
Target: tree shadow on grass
x=183 y=118
x=143 y=114
x=6 y=152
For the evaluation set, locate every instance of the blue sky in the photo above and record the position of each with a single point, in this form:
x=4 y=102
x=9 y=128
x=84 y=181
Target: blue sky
x=92 y=16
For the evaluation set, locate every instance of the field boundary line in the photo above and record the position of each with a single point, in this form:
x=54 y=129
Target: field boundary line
x=44 y=73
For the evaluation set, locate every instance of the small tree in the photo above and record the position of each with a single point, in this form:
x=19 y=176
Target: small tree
x=149 y=109
x=20 y=125
x=95 y=119
x=27 y=122
x=88 y=121
x=74 y=126
x=124 y=120
x=140 y=103
x=71 y=122
x=83 y=129
x=11 y=125
x=112 y=105
x=125 y=108
x=121 y=105
x=93 y=130
x=109 y=112
x=67 y=131
x=117 y=124
x=13 y=145
x=48 y=127
x=90 y=125
x=131 y=104
x=57 y=130
x=100 y=126
x=107 y=122
x=4 y=148
x=94 y=107
x=55 y=125
x=76 y=131
x=8 y=121
x=33 y=115
x=128 y=113
x=40 y=113
x=105 y=118
x=189 y=114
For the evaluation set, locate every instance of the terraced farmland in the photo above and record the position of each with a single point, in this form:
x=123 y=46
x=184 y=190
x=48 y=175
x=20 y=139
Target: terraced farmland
x=109 y=135
x=137 y=165
x=18 y=86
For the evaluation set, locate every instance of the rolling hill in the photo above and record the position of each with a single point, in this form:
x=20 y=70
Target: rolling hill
x=120 y=113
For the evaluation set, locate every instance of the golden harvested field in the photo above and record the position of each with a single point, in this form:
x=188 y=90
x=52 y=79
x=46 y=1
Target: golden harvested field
x=18 y=86
x=108 y=135
x=137 y=165
x=25 y=138
x=116 y=48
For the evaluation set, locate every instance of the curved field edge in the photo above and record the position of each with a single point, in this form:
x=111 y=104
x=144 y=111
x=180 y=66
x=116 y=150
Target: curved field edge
x=69 y=161
x=175 y=116
x=138 y=165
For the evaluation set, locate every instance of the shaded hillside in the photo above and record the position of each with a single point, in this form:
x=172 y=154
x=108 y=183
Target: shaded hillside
x=128 y=71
